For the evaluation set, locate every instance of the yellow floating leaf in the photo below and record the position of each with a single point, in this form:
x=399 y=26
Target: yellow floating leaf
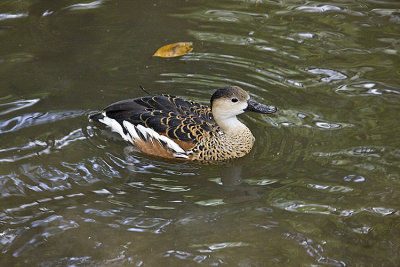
x=174 y=50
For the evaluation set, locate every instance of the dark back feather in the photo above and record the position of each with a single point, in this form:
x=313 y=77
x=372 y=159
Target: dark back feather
x=175 y=117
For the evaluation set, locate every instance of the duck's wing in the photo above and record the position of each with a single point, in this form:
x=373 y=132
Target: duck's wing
x=163 y=118
x=166 y=103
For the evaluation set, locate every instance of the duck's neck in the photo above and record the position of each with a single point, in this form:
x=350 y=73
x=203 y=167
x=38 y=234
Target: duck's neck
x=231 y=125
x=235 y=141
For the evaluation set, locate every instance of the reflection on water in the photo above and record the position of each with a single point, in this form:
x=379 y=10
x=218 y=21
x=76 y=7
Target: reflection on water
x=28 y=120
x=83 y=6
x=320 y=187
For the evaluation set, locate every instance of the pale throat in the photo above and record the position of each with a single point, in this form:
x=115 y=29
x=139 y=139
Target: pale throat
x=230 y=124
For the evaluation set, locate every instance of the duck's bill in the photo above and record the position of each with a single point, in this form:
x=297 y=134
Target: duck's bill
x=254 y=106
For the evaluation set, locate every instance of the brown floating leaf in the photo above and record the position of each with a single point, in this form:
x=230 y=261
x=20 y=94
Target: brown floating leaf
x=174 y=50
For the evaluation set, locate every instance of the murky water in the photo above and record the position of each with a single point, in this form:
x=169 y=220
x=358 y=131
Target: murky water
x=321 y=186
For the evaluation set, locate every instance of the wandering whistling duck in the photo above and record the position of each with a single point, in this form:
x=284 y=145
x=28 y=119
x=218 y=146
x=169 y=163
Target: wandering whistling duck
x=172 y=127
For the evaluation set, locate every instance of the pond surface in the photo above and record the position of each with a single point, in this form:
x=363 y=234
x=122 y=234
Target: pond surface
x=320 y=187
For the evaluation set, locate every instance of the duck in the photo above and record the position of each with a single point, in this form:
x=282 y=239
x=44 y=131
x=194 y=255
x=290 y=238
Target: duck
x=175 y=128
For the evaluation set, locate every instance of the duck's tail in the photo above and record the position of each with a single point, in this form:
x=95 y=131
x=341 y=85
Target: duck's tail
x=96 y=116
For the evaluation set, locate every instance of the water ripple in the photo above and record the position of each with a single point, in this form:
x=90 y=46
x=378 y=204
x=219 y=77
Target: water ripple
x=278 y=76
x=4 y=16
x=291 y=118
x=32 y=119
x=38 y=147
x=332 y=75
x=368 y=89
x=85 y=6
x=229 y=16
x=319 y=9
x=314 y=249
x=321 y=183
x=225 y=16
x=17 y=105
x=153 y=225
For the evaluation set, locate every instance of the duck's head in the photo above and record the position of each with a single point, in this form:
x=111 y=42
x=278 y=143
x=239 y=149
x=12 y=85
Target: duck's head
x=232 y=100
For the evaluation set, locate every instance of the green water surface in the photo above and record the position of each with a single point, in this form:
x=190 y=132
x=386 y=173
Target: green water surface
x=321 y=187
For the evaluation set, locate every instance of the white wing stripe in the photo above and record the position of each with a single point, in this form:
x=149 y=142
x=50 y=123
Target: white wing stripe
x=150 y=132
x=143 y=130
x=146 y=132
x=176 y=155
x=171 y=144
x=131 y=130
x=115 y=126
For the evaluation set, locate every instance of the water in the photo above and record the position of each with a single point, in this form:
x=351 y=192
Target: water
x=321 y=186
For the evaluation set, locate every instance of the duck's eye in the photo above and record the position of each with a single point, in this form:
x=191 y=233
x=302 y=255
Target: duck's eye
x=234 y=100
